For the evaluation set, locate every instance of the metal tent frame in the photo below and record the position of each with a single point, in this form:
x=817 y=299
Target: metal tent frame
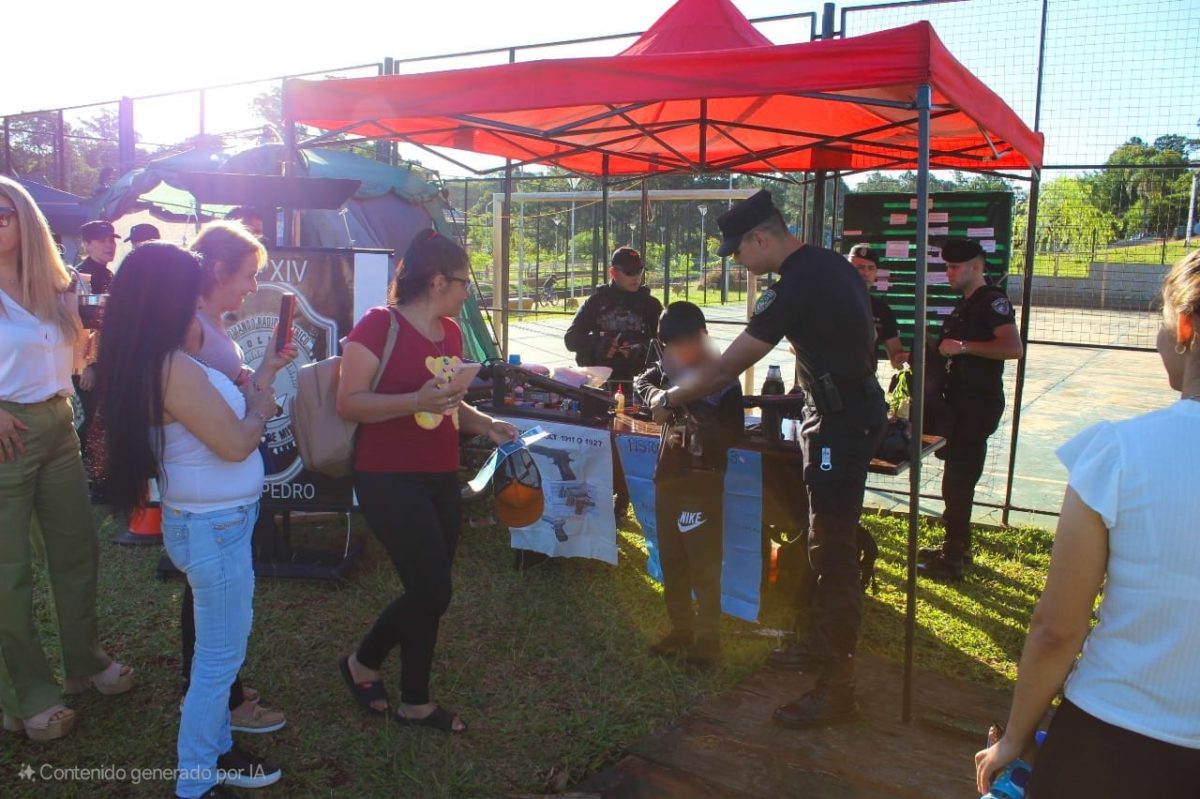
x=919 y=111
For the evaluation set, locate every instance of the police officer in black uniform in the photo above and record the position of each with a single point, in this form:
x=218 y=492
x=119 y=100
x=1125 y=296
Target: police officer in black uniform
x=615 y=326
x=100 y=243
x=975 y=341
x=887 y=329
x=820 y=304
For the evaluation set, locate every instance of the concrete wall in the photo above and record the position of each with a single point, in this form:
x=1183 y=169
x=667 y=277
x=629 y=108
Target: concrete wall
x=1118 y=287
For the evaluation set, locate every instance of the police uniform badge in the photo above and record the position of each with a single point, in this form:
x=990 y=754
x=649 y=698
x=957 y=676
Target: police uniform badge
x=1002 y=306
x=764 y=301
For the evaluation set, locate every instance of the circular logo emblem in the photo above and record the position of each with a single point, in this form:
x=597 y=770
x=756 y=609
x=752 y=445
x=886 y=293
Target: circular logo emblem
x=254 y=334
x=764 y=301
x=1002 y=306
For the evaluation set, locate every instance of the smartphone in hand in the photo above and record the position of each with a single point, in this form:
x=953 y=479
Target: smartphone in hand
x=287 y=312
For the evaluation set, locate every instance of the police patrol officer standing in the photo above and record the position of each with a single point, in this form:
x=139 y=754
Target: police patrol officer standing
x=820 y=304
x=615 y=325
x=975 y=341
x=887 y=329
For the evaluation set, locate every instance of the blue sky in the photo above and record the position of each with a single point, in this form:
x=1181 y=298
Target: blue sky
x=1113 y=69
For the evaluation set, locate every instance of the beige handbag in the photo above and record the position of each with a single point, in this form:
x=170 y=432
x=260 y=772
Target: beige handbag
x=326 y=440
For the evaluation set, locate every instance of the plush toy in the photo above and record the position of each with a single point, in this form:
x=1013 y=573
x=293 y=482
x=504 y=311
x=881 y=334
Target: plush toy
x=442 y=367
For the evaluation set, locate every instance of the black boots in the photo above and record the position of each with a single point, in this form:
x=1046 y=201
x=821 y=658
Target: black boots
x=801 y=657
x=676 y=642
x=832 y=701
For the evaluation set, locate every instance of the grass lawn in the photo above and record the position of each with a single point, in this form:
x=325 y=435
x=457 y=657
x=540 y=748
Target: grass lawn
x=549 y=666
x=1075 y=264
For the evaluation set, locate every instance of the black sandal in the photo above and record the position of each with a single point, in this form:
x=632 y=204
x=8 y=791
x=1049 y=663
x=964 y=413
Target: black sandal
x=365 y=693
x=440 y=719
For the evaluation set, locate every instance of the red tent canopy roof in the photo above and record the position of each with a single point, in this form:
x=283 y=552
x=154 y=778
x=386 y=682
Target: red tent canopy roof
x=745 y=106
x=692 y=26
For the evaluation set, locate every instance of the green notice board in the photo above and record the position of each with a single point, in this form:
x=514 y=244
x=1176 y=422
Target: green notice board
x=888 y=222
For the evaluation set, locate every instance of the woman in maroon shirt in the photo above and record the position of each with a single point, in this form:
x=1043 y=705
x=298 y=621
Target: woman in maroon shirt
x=406 y=468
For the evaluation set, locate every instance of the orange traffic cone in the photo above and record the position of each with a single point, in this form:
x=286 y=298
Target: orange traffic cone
x=145 y=527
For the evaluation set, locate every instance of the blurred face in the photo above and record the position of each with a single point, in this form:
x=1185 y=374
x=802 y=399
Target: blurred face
x=10 y=229
x=689 y=352
x=626 y=281
x=102 y=250
x=232 y=291
x=965 y=275
x=867 y=270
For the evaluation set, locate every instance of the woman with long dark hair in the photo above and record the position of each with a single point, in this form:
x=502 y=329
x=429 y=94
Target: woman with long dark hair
x=230 y=258
x=405 y=468
x=170 y=417
x=42 y=477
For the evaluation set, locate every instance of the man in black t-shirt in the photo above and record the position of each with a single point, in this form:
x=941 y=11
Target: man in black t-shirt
x=820 y=305
x=975 y=341
x=100 y=243
x=887 y=329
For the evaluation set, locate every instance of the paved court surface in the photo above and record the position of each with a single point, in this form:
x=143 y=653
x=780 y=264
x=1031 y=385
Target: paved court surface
x=1066 y=390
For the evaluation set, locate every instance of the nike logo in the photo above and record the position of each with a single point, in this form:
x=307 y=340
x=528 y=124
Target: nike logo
x=690 y=520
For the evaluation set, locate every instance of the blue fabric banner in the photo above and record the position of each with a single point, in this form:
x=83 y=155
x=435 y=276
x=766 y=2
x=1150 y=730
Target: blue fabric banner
x=741 y=571
x=639 y=456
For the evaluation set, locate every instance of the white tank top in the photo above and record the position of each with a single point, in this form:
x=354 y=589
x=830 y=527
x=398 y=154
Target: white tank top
x=193 y=478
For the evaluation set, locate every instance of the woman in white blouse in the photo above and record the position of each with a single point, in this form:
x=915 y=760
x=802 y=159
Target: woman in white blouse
x=42 y=477
x=1129 y=722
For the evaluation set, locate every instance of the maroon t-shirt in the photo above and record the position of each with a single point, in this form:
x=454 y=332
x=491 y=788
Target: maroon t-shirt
x=401 y=444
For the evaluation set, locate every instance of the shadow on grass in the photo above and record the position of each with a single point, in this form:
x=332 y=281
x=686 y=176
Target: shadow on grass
x=548 y=666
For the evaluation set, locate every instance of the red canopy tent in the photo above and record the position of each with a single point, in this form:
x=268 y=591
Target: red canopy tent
x=703 y=91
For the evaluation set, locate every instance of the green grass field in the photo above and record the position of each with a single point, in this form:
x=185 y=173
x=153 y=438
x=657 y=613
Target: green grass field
x=548 y=666
x=1075 y=264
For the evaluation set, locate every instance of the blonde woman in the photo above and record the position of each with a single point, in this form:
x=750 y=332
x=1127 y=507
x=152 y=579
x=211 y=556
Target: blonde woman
x=42 y=477
x=1129 y=722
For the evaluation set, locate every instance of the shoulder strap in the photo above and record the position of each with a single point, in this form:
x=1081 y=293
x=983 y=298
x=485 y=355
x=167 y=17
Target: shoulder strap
x=389 y=345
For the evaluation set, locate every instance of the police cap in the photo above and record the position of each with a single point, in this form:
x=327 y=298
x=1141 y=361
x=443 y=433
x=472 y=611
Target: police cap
x=865 y=252
x=97 y=229
x=743 y=217
x=957 y=251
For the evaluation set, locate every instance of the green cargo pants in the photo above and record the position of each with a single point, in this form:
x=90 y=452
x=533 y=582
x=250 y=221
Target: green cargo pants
x=46 y=482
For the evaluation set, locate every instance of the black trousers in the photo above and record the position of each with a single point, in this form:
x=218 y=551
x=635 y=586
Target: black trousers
x=187 y=630
x=416 y=516
x=838 y=448
x=688 y=514
x=1086 y=758
x=974 y=416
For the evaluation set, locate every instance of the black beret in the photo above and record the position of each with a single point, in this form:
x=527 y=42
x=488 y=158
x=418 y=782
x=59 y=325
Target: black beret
x=865 y=251
x=743 y=217
x=680 y=318
x=97 y=229
x=957 y=251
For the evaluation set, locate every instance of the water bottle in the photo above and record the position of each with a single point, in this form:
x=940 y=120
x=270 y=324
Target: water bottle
x=620 y=398
x=1011 y=783
x=774 y=382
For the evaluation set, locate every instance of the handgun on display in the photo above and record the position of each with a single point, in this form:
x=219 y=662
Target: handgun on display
x=561 y=459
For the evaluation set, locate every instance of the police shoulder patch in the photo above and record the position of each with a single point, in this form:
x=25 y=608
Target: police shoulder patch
x=764 y=301
x=1002 y=306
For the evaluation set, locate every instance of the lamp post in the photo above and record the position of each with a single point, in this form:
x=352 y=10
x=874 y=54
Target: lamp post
x=632 y=228
x=573 y=182
x=557 y=220
x=703 y=250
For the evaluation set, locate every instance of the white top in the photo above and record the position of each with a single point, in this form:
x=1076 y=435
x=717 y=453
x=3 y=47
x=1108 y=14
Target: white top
x=1140 y=668
x=35 y=358
x=193 y=478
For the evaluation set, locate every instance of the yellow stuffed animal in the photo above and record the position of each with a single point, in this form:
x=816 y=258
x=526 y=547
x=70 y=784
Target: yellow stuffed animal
x=442 y=367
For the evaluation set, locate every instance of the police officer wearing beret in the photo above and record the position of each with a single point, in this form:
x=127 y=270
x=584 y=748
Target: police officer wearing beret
x=887 y=329
x=820 y=304
x=975 y=341
x=615 y=325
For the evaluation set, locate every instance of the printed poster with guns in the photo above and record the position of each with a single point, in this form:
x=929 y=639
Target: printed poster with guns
x=575 y=463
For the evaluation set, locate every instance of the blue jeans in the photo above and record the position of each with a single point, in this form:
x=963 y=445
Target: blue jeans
x=213 y=550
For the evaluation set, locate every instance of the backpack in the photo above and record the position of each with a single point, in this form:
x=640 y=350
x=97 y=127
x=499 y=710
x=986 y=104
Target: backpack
x=326 y=440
